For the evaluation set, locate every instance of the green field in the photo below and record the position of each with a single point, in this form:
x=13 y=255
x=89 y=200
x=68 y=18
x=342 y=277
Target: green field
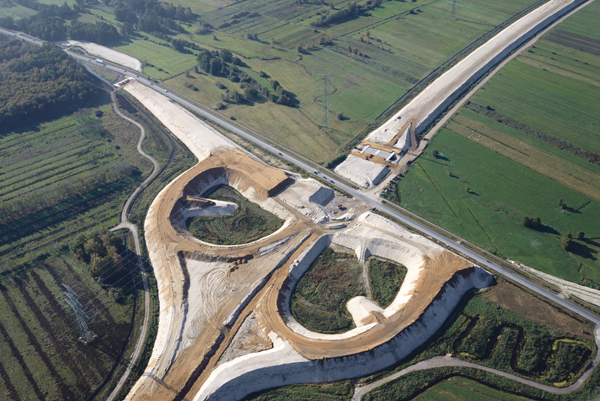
x=397 y=54
x=459 y=388
x=16 y=11
x=248 y=223
x=526 y=140
x=62 y=178
x=320 y=297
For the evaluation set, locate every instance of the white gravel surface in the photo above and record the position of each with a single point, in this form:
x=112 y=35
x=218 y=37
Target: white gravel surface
x=198 y=136
x=438 y=95
x=106 y=53
x=362 y=172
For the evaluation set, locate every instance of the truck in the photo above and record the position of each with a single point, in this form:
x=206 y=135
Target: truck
x=99 y=61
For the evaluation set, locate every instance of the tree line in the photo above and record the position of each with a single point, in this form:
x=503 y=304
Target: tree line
x=152 y=16
x=38 y=80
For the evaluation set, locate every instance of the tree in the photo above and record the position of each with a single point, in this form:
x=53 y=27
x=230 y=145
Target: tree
x=561 y=204
x=368 y=34
x=299 y=48
x=580 y=235
x=340 y=116
x=435 y=153
x=567 y=243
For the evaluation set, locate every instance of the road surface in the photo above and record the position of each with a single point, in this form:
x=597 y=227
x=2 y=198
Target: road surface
x=139 y=346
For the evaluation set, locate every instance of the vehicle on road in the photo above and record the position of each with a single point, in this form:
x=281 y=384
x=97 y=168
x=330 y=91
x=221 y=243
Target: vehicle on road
x=280 y=154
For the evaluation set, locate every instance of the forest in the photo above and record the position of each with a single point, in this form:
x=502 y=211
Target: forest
x=36 y=81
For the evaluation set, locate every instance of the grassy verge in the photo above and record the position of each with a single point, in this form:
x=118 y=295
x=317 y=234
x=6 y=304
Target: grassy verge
x=249 y=222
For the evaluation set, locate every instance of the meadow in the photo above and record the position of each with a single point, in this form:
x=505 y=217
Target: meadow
x=370 y=60
x=527 y=140
x=319 y=299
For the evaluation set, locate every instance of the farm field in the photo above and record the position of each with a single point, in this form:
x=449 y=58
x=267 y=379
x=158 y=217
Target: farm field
x=16 y=11
x=60 y=179
x=527 y=140
x=367 y=72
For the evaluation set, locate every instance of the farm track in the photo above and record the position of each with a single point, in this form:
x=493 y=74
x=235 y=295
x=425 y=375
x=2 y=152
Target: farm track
x=31 y=162
x=133 y=229
x=12 y=231
x=64 y=174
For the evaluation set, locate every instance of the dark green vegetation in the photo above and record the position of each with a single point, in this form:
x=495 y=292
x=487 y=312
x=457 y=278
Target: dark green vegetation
x=519 y=170
x=307 y=392
x=385 y=278
x=320 y=297
x=460 y=388
x=249 y=222
x=504 y=328
x=63 y=182
x=38 y=81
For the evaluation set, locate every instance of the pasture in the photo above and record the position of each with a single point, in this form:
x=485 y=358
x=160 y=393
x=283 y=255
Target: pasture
x=459 y=388
x=526 y=140
x=482 y=196
x=370 y=60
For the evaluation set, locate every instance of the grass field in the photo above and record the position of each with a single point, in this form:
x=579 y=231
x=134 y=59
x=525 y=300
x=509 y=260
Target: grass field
x=62 y=178
x=459 y=388
x=16 y=11
x=526 y=140
x=247 y=224
x=397 y=54
x=320 y=297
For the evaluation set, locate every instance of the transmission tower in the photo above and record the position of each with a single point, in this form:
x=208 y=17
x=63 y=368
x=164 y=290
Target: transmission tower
x=326 y=124
x=452 y=16
x=85 y=334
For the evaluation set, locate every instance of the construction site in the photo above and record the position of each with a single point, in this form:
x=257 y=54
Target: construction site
x=225 y=326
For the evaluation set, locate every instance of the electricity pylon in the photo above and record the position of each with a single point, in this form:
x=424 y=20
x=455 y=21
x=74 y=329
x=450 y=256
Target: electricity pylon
x=85 y=334
x=326 y=123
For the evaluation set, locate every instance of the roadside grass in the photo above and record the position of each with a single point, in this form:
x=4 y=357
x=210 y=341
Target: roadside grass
x=336 y=391
x=385 y=278
x=162 y=57
x=248 y=223
x=460 y=388
x=483 y=196
x=319 y=299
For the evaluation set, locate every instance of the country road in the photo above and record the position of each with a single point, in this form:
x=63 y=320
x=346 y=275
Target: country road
x=139 y=346
x=370 y=198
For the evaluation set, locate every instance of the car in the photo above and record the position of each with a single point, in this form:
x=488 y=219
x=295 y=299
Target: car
x=333 y=182
x=280 y=154
x=166 y=91
x=171 y=100
x=151 y=83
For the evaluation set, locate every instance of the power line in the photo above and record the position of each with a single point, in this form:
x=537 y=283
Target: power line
x=85 y=334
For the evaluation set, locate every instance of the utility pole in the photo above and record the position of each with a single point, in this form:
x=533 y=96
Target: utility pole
x=85 y=334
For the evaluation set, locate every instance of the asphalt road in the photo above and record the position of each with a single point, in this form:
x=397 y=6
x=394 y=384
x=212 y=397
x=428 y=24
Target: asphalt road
x=369 y=199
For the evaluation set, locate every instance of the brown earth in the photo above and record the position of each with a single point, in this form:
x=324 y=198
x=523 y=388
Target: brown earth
x=516 y=300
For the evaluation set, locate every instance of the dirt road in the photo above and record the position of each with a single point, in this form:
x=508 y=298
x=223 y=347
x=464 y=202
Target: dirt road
x=134 y=232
